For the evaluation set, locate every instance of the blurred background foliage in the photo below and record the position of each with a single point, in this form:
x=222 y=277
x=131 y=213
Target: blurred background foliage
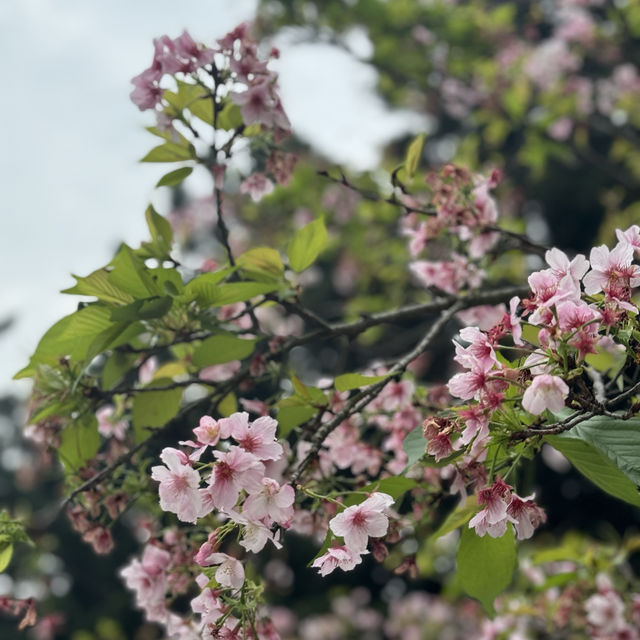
x=548 y=92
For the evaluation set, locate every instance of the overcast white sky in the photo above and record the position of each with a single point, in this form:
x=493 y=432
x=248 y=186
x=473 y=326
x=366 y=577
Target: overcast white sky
x=71 y=188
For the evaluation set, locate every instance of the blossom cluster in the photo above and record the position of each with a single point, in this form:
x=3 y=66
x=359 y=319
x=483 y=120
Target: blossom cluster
x=575 y=309
x=465 y=208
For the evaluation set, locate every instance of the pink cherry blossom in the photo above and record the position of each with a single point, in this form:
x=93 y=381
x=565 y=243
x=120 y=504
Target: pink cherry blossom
x=179 y=484
x=359 y=522
x=257 y=185
x=147 y=92
x=467 y=385
x=230 y=573
x=258 y=438
x=605 y=611
x=527 y=515
x=235 y=470
x=273 y=504
x=107 y=426
x=210 y=431
x=256 y=535
x=479 y=355
x=613 y=273
x=630 y=236
x=493 y=518
x=257 y=104
x=147 y=578
x=546 y=392
x=338 y=557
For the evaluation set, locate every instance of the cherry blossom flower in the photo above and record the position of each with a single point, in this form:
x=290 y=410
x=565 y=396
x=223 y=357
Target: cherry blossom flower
x=107 y=426
x=257 y=103
x=493 y=518
x=479 y=355
x=179 y=484
x=342 y=557
x=256 y=535
x=605 y=611
x=147 y=578
x=210 y=431
x=273 y=503
x=546 y=392
x=613 y=273
x=230 y=573
x=234 y=471
x=630 y=236
x=257 y=185
x=258 y=438
x=527 y=515
x=359 y=522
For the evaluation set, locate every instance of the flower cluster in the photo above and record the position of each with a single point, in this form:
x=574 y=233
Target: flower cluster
x=576 y=308
x=465 y=208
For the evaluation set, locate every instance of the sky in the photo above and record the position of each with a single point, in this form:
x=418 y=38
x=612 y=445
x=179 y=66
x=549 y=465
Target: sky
x=71 y=185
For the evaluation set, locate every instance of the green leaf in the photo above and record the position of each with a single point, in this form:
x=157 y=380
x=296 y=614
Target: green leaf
x=349 y=381
x=115 y=368
x=413 y=155
x=306 y=245
x=154 y=408
x=145 y=309
x=232 y=292
x=228 y=405
x=222 y=348
x=597 y=467
x=97 y=284
x=458 y=517
x=170 y=152
x=71 y=336
x=12 y=530
x=395 y=486
x=230 y=117
x=607 y=361
x=79 y=442
x=203 y=287
x=6 y=551
x=619 y=440
x=173 y=178
x=130 y=274
x=414 y=445
x=262 y=263
x=486 y=565
x=292 y=416
x=161 y=234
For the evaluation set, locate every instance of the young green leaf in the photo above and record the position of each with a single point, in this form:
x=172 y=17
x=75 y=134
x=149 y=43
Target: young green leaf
x=458 y=517
x=414 y=445
x=222 y=348
x=413 y=155
x=349 y=381
x=154 y=408
x=170 y=152
x=306 y=245
x=173 y=178
x=79 y=442
x=486 y=565
x=261 y=263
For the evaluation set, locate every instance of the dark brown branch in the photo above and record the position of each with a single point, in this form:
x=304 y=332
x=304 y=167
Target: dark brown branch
x=409 y=312
x=373 y=196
